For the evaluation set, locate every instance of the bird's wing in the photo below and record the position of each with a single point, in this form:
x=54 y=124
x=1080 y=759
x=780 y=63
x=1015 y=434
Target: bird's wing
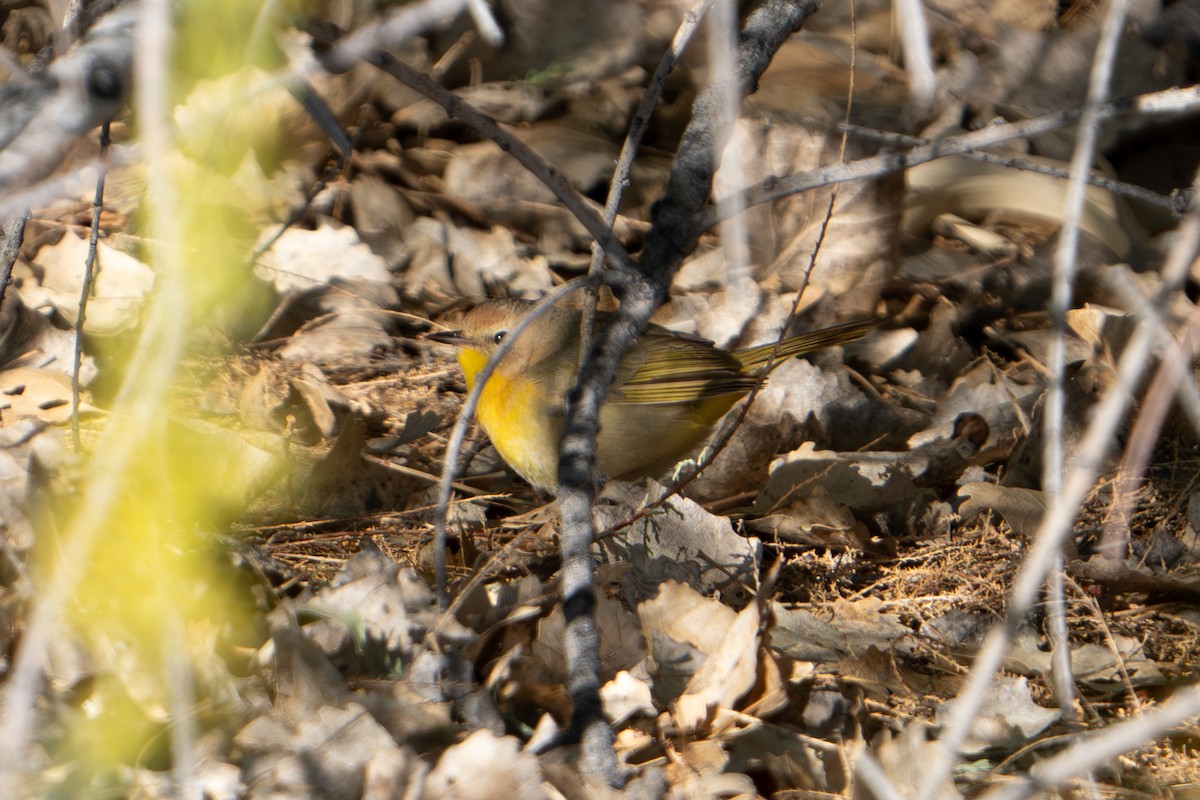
x=669 y=368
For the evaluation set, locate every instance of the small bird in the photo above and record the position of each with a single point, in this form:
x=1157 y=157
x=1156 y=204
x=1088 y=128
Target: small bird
x=670 y=391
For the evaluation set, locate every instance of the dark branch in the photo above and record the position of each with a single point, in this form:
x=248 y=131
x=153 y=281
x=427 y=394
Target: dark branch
x=672 y=237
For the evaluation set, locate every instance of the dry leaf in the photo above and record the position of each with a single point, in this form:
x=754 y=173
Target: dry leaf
x=485 y=767
x=725 y=676
x=119 y=287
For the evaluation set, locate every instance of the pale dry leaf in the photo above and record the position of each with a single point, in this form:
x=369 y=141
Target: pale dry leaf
x=485 y=260
x=886 y=347
x=326 y=752
x=304 y=678
x=682 y=613
x=1108 y=329
x=804 y=471
x=1096 y=665
x=24 y=444
x=704 y=756
x=361 y=615
x=975 y=190
x=554 y=43
x=980 y=239
x=355 y=322
x=799 y=402
x=302 y=259
x=621 y=642
x=845 y=629
x=119 y=288
x=485 y=767
x=981 y=390
x=36 y=394
x=625 y=696
x=338 y=744
x=938 y=355
x=30 y=339
x=1022 y=509
x=701 y=272
x=687 y=783
x=814 y=519
x=380 y=217
x=681 y=541
x=510 y=102
x=1038 y=341
x=1008 y=719
x=725 y=677
x=904 y=759
x=770 y=695
x=485 y=176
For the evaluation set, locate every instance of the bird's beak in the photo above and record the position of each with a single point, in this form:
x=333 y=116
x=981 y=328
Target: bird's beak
x=447 y=337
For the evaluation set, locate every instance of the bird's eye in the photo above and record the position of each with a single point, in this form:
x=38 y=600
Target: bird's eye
x=498 y=336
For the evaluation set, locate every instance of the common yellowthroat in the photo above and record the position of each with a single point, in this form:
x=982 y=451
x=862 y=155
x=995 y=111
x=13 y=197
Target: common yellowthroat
x=670 y=390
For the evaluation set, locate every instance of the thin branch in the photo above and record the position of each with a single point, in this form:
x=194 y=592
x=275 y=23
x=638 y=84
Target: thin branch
x=918 y=59
x=14 y=235
x=668 y=242
x=85 y=290
x=1084 y=154
x=42 y=122
x=1168 y=101
x=871 y=775
x=1094 y=750
x=396 y=28
x=1174 y=367
x=487 y=127
x=157 y=356
x=641 y=119
x=489 y=29
x=1108 y=416
x=1130 y=190
x=74 y=183
x=733 y=235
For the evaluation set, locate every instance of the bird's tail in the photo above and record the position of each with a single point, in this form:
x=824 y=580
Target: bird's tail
x=775 y=353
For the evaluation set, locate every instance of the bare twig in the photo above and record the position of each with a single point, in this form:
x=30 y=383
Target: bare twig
x=733 y=235
x=181 y=694
x=14 y=234
x=41 y=121
x=85 y=291
x=1175 y=365
x=1168 y=101
x=73 y=183
x=158 y=355
x=1130 y=190
x=918 y=59
x=481 y=14
x=641 y=119
x=397 y=27
x=1060 y=303
x=297 y=213
x=1094 y=750
x=537 y=166
x=1056 y=524
x=669 y=241
x=688 y=471
x=872 y=776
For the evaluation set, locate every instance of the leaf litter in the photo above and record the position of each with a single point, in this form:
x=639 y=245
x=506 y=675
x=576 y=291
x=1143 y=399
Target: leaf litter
x=820 y=591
